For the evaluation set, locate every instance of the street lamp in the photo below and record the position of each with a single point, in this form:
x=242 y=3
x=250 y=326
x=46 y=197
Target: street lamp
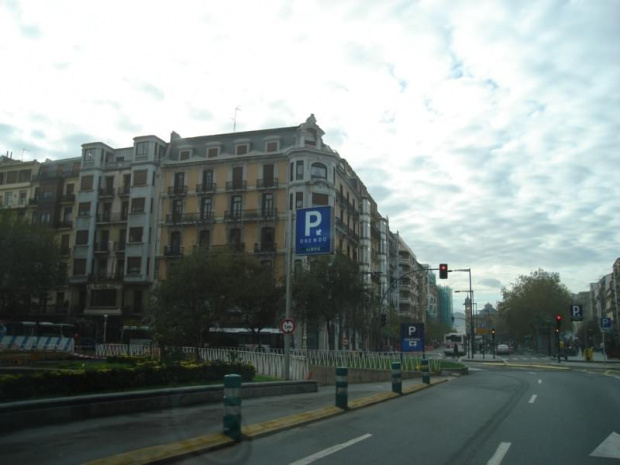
x=105 y=328
x=470 y=307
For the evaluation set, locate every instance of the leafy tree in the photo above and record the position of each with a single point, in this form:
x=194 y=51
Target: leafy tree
x=532 y=303
x=29 y=263
x=260 y=297
x=198 y=292
x=330 y=291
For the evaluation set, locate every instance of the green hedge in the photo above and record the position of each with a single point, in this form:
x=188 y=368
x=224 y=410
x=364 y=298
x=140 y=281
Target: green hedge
x=66 y=383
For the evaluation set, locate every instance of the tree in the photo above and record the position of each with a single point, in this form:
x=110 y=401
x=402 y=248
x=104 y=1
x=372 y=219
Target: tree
x=198 y=292
x=29 y=263
x=532 y=304
x=330 y=291
x=260 y=297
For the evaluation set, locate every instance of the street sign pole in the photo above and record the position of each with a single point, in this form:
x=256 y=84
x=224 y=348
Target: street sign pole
x=287 y=340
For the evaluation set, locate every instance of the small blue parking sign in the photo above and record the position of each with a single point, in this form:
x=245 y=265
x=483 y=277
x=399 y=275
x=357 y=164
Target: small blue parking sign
x=576 y=313
x=313 y=231
x=605 y=323
x=412 y=337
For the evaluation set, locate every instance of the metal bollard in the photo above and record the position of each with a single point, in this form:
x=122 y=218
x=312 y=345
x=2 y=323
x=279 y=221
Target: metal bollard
x=397 y=378
x=426 y=374
x=232 y=406
x=342 y=388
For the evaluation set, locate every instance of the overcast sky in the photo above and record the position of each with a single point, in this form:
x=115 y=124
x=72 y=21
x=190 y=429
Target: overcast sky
x=488 y=132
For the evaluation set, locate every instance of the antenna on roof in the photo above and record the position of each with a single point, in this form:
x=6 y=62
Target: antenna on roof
x=235 y=119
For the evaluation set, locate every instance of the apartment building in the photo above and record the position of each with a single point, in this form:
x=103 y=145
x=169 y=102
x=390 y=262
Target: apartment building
x=16 y=182
x=112 y=269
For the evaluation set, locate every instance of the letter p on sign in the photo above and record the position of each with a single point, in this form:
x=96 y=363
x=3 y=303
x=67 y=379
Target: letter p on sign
x=313 y=219
x=411 y=330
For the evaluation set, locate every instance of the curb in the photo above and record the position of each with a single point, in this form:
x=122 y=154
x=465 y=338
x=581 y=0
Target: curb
x=210 y=442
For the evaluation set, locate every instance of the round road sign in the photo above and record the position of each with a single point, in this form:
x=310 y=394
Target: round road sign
x=287 y=326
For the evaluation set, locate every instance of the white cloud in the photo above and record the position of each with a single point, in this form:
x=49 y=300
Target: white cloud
x=494 y=124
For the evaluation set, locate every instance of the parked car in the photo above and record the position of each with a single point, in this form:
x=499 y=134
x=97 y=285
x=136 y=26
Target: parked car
x=503 y=349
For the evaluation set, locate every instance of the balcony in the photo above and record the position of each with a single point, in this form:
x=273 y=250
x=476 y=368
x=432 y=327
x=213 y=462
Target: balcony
x=233 y=186
x=124 y=191
x=270 y=214
x=177 y=190
x=206 y=188
x=179 y=219
x=267 y=183
x=67 y=198
x=106 y=193
x=105 y=277
x=173 y=251
x=111 y=217
x=65 y=251
x=65 y=224
x=119 y=247
x=205 y=217
x=265 y=248
x=102 y=247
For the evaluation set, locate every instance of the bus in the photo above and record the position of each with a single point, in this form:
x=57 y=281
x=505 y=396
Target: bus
x=136 y=335
x=450 y=339
x=43 y=335
x=268 y=338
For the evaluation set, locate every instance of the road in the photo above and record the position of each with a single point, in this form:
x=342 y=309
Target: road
x=497 y=415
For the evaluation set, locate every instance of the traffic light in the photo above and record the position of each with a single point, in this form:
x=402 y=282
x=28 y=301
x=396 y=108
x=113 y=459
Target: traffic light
x=443 y=271
x=558 y=322
x=383 y=319
x=493 y=333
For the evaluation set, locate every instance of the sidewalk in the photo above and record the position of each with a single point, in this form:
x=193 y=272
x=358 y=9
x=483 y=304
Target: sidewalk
x=172 y=431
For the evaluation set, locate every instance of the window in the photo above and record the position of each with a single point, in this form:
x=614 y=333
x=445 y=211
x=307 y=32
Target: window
x=267 y=204
x=206 y=208
x=272 y=146
x=134 y=264
x=87 y=183
x=267 y=239
x=320 y=199
x=318 y=171
x=291 y=176
x=70 y=189
x=299 y=200
x=268 y=178
x=300 y=170
x=137 y=205
x=22 y=198
x=124 y=210
x=235 y=206
x=139 y=177
x=242 y=149
x=25 y=175
x=11 y=177
x=234 y=237
x=79 y=266
x=185 y=154
x=205 y=238
x=213 y=152
x=135 y=234
x=89 y=155
x=8 y=199
x=84 y=209
x=177 y=210
x=237 y=177
x=103 y=298
x=207 y=179
x=1 y=178
x=64 y=243
x=45 y=218
x=81 y=237
x=142 y=150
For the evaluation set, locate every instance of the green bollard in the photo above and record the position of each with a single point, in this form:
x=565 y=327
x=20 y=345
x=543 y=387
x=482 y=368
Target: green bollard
x=232 y=406
x=342 y=388
x=397 y=378
x=426 y=374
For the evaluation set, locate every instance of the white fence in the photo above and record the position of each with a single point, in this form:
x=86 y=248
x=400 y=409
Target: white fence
x=272 y=363
x=37 y=343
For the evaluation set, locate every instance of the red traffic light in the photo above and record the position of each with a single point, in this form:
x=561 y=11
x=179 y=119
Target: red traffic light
x=443 y=271
x=558 y=318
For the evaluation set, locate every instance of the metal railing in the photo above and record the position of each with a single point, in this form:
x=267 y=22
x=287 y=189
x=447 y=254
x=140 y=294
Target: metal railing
x=205 y=188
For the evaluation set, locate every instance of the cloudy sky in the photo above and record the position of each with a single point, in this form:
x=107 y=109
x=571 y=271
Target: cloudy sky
x=488 y=132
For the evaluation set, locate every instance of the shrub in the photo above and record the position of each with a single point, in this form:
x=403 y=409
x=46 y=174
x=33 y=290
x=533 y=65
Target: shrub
x=142 y=375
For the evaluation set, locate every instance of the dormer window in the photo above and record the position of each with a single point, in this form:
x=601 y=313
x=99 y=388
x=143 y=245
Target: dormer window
x=185 y=154
x=242 y=149
x=272 y=146
x=213 y=152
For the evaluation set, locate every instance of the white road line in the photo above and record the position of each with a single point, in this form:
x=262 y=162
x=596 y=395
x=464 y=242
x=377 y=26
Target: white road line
x=329 y=451
x=540 y=381
x=499 y=454
x=532 y=399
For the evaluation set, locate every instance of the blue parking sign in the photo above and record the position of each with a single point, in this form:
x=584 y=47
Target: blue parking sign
x=605 y=323
x=313 y=234
x=412 y=337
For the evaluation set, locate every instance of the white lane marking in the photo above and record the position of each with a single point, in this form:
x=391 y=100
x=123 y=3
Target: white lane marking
x=540 y=381
x=531 y=373
x=609 y=448
x=499 y=454
x=532 y=399
x=329 y=451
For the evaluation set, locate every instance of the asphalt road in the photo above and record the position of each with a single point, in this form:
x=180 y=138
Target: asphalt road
x=497 y=415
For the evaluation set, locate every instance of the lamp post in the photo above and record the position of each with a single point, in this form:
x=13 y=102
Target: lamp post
x=469 y=307
x=105 y=328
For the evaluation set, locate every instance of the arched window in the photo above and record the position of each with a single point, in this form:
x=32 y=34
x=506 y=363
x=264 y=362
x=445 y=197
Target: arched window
x=318 y=171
